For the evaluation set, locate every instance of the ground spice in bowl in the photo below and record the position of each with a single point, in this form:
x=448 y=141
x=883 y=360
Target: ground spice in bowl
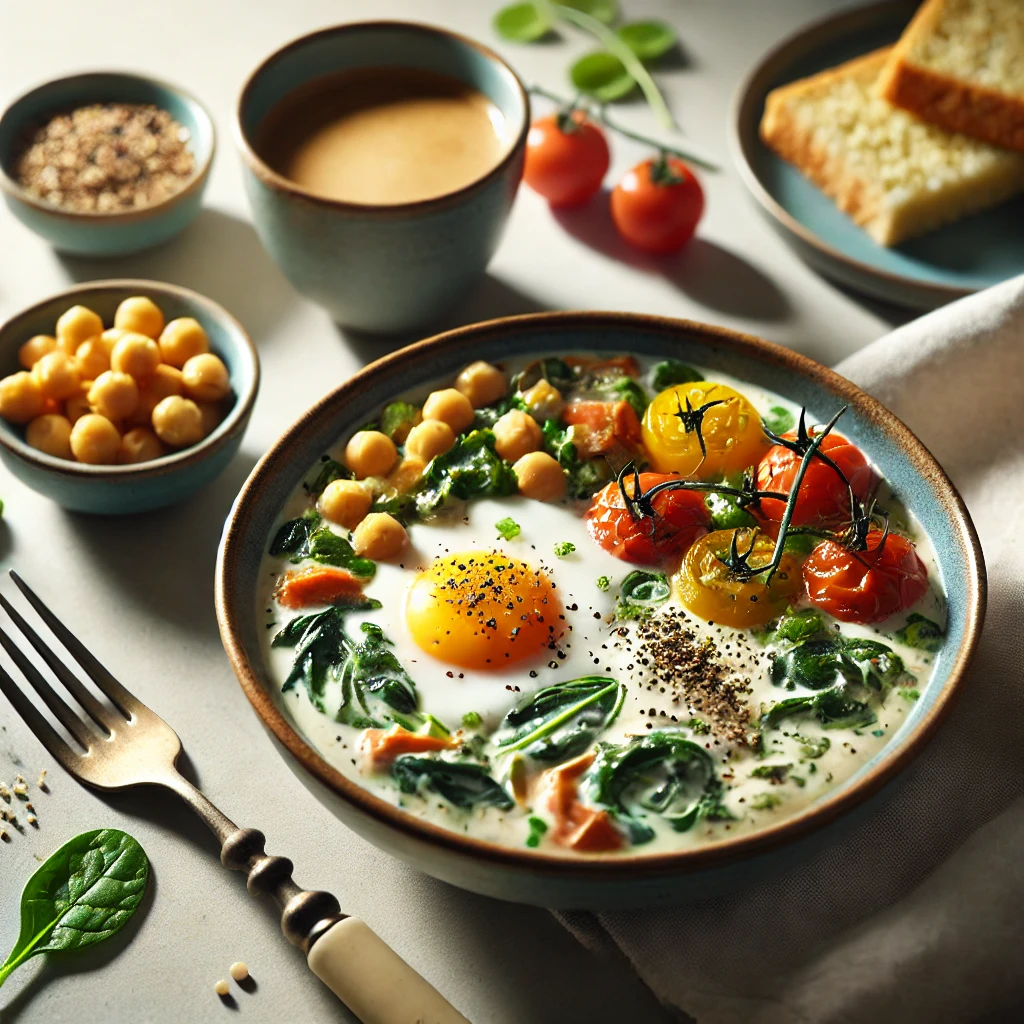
x=107 y=158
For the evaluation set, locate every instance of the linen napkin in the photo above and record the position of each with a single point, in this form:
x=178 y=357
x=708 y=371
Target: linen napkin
x=918 y=914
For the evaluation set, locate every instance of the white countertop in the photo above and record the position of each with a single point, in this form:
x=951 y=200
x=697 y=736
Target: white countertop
x=140 y=591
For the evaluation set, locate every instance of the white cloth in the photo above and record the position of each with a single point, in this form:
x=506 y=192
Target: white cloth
x=918 y=915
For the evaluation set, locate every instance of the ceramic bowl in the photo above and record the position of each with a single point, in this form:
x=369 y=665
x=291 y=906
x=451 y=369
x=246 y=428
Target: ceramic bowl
x=105 y=234
x=382 y=269
x=118 y=490
x=639 y=879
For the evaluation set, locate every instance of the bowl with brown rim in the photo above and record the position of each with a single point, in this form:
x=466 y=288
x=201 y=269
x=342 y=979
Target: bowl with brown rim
x=636 y=879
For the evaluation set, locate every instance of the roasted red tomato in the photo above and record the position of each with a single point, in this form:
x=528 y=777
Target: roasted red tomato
x=680 y=518
x=866 y=586
x=823 y=496
x=566 y=158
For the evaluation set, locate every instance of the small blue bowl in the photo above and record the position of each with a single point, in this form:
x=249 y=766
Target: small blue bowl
x=104 y=234
x=118 y=490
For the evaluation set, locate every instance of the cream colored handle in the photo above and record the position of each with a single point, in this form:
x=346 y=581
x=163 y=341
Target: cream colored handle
x=373 y=981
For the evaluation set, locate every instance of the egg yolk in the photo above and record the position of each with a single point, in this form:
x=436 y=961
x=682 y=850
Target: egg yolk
x=483 y=610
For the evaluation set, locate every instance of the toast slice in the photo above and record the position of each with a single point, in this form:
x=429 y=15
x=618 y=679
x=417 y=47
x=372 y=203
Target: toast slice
x=895 y=175
x=960 y=65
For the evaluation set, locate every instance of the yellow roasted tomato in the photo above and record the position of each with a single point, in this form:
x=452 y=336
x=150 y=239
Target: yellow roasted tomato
x=682 y=416
x=708 y=587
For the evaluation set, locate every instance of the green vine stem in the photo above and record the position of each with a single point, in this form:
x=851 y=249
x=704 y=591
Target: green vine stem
x=615 y=46
x=601 y=114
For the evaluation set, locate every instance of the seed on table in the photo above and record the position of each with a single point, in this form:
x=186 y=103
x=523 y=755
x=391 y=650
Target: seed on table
x=239 y=971
x=221 y=987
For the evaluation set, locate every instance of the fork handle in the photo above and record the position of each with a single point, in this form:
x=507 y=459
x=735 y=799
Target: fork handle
x=350 y=959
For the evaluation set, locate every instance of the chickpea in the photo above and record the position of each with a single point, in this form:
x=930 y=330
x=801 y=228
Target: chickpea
x=451 y=407
x=50 y=434
x=345 y=502
x=164 y=382
x=182 y=339
x=110 y=337
x=35 y=348
x=78 y=404
x=430 y=438
x=21 y=398
x=92 y=358
x=545 y=401
x=76 y=325
x=370 y=453
x=213 y=414
x=540 y=477
x=94 y=439
x=178 y=421
x=141 y=316
x=114 y=395
x=139 y=445
x=379 y=536
x=407 y=474
x=135 y=354
x=206 y=378
x=516 y=434
x=57 y=375
x=482 y=383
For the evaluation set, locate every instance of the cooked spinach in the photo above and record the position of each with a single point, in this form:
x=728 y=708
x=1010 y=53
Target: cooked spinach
x=397 y=419
x=777 y=773
x=660 y=773
x=795 y=626
x=80 y=895
x=486 y=416
x=641 y=593
x=922 y=633
x=583 y=477
x=822 y=660
x=293 y=537
x=726 y=512
x=471 y=469
x=812 y=746
x=330 y=471
x=307 y=537
x=671 y=372
x=778 y=419
x=834 y=708
x=564 y=548
x=374 y=686
x=555 y=371
x=401 y=506
x=462 y=783
x=562 y=720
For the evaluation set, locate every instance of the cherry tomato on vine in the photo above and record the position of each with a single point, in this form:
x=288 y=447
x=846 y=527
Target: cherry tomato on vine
x=657 y=205
x=865 y=586
x=566 y=158
x=680 y=518
x=823 y=496
x=710 y=589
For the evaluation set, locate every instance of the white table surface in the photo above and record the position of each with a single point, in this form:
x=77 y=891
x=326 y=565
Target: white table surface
x=140 y=590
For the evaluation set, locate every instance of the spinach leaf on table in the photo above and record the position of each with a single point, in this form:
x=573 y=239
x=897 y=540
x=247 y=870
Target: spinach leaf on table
x=660 y=773
x=470 y=469
x=82 y=894
x=462 y=783
x=562 y=720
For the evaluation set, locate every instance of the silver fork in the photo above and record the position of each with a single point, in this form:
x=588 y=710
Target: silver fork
x=128 y=745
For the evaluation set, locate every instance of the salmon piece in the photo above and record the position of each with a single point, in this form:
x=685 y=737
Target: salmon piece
x=380 y=747
x=317 y=584
x=626 y=365
x=606 y=424
x=577 y=826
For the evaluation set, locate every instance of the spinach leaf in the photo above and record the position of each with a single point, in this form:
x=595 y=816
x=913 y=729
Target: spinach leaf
x=487 y=415
x=562 y=720
x=726 y=513
x=472 y=468
x=462 y=783
x=660 y=773
x=556 y=372
x=640 y=593
x=922 y=633
x=321 y=646
x=811 y=663
x=627 y=389
x=795 y=626
x=812 y=746
x=292 y=537
x=583 y=478
x=330 y=471
x=522 y=23
x=82 y=894
x=649 y=40
x=671 y=372
x=326 y=547
x=834 y=708
x=773 y=772
x=778 y=419
x=401 y=506
x=508 y=528
x=397 y=419
x=872 y=664
x=824 y=659
x=374 y=685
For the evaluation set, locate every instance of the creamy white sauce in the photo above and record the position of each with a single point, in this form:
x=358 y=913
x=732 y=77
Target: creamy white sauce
x=594 y=644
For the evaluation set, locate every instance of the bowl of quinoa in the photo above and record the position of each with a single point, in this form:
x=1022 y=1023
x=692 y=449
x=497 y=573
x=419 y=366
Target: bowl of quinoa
x=105 y=163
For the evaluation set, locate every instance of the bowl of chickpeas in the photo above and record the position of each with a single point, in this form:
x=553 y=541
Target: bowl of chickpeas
x=122 y=396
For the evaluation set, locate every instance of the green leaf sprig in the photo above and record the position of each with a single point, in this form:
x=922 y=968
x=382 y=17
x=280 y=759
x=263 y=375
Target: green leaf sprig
x=82 y=894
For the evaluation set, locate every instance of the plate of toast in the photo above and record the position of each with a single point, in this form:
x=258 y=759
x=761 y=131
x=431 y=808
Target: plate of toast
x=886 y=144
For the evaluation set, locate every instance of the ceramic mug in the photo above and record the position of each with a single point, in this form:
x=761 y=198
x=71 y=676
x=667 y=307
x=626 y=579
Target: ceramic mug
x=382 y=269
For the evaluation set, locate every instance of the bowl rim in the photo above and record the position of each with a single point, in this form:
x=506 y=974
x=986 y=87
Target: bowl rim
x=637 y=865
x=202 y=170
x=236 y=417
x=273 y=180
x=746 y=108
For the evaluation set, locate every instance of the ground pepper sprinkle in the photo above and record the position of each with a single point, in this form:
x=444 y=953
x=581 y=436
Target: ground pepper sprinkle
x=106 y=158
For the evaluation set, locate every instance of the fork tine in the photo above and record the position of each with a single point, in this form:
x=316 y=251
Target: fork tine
x=61 y=711
x=97 y=712
x=123 y=699
x=37 y=724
